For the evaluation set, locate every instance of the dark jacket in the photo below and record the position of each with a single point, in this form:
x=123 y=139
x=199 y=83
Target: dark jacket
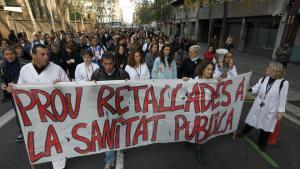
x=101 y=75
x=188 y=68
x=59 y=59
x=7 y=76
x=121 y=60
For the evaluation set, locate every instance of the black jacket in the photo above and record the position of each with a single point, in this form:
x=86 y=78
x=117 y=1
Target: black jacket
x=101 y=75
x=14 y=78
x=9 y=77
x=188 y=68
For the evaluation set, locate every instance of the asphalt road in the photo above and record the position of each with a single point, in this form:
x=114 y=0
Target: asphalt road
x=220 y=153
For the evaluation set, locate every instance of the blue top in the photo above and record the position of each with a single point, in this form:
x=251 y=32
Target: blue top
x=161 y=71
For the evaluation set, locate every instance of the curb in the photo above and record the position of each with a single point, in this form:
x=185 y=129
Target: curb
x=292 y=111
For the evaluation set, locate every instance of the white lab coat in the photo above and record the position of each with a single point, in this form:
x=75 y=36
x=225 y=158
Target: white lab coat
x=83 y=73
x=51 y=74
x=218 y=72
x=139 y=73
x=265 y=117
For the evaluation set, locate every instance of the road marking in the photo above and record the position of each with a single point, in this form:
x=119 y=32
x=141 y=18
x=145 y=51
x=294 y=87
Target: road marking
x=5 y=118
x=120 y=160
x=262 y=154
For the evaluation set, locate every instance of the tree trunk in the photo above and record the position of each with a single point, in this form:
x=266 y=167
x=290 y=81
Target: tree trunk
x=82 y=23
x=51 y=15
x=62 y=6
x=224 y=25
x=31 y=15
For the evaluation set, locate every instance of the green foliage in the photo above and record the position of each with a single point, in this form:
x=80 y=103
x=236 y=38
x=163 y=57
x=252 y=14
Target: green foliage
x=148 y=11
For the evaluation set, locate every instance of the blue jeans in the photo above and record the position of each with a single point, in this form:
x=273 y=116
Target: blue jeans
x=109 y=157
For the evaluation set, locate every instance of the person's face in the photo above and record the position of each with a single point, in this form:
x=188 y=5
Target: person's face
x=108 y=64
x=54 y=49
x=160 y=40
x=19 y=51
x=121 y=50
x=87 y=59
x=41 y=57
x=154 y=49
x=49 y=40
x=81 y=41
x=193 y=53
x=137 y=57
x=10 y=56
x=208 y=71
x=269 y=70
x=94 y=42
x=167 y=51
x=228 y=58
x=35 y=37
x=210 y=49
x=68 y=38
x=3 y=44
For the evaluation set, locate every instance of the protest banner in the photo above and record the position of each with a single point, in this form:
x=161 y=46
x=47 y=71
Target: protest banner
x=75 y=119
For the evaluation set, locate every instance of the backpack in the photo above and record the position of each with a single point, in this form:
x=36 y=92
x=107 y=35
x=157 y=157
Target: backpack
x=281 y=83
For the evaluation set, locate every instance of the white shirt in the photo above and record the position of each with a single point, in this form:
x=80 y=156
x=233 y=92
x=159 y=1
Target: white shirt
x=218 y=72
x=52 y=73
x=146 y=47
x=84 y=73
x=141 y=72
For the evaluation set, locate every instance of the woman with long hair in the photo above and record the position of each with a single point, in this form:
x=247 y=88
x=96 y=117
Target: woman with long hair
x=120 y=57
x=165 y=65
x=151 y=56
x=72 y=60
x=204 y=70
x=137 y=68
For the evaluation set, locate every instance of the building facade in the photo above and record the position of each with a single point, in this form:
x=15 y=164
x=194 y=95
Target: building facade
x=256 y=26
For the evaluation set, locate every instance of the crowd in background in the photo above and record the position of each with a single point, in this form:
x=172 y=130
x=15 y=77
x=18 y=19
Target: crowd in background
x=133 y=54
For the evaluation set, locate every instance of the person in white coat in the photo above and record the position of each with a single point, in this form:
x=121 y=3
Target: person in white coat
x=43 y=71
x=85 y=70
x=225 y=67
x=136 y=67
x=269 y=105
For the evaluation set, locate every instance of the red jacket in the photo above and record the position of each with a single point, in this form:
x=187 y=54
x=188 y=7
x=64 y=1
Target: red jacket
x=208 y=56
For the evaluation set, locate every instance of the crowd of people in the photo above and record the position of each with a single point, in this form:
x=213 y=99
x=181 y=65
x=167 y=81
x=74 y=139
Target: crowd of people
x=133 y=54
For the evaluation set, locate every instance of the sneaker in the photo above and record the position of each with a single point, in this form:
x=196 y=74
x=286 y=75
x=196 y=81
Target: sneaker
x=20 y=138
x=109 y=166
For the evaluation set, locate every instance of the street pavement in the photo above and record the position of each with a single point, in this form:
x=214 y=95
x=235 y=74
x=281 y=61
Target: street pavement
x=220 y=153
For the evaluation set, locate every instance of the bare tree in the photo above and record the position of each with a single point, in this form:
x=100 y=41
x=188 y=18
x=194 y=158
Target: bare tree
x=31 y=15
x=62 y=6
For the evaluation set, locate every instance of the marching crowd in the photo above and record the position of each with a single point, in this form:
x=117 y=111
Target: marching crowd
x=120 y=54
